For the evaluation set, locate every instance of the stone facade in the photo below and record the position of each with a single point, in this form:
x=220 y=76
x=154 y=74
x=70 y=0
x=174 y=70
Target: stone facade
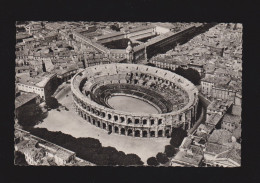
x=132 y=124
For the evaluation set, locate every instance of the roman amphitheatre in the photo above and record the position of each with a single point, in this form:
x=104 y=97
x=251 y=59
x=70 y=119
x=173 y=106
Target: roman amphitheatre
x=134 y=100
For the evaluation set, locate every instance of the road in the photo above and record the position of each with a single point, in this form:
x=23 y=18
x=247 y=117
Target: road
x=65 y=90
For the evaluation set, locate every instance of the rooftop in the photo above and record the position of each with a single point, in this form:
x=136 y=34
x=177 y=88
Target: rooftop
x=24 y=98
x=40 y=81
x=190 y=159
x=220 y=137
x=214 y=119
x=232 y=118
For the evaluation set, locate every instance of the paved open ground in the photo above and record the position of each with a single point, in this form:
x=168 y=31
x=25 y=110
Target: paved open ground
x=69 y=122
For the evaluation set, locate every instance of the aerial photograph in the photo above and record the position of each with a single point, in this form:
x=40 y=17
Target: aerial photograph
x=160 y=94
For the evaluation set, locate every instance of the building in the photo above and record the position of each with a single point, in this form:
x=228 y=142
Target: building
x=210 y=81
x=218 y=107
x=41 y=152
x=230 y=122
x=222 y=150
x=43 y=84
x=25 y=99
x=186 y=159
x=66 y=74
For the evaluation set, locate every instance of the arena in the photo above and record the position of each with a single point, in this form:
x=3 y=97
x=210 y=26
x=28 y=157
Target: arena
x=172 y=99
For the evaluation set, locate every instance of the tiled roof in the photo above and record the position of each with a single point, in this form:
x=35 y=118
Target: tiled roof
x=24 y=98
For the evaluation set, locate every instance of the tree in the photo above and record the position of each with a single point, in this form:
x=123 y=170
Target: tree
x=19 y=159
x=30 y=115
x=89 y=149
x=52 y=102
x=162 y=158
x=132 y=159
x=152 y=161
x=190 y=74
x=169 y=150
x=178 y=135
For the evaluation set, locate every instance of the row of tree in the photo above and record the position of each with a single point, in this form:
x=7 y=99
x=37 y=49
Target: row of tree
x=89 y=149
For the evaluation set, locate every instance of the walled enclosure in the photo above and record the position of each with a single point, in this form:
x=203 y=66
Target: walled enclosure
x=85 y=85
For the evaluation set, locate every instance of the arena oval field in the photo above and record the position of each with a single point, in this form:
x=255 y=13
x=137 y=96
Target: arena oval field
x=174 y=97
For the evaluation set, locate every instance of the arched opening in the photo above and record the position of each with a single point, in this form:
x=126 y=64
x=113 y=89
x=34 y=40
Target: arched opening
x=103 y=114
x=110 y=128
x=129 y=121
x=116 y=129
x=159 y=121
x=152 y=134
x=97 y=112
x=167 y=132
x=104 y=125
x=122 y=131
x=144 y=133
x=137 y=133
x=109 y=116
x=129 y=132
x=88 y=108
x=89 y=119
x=94 y=121
x=152 y=121
x=98 y=123
x=122 y=119
x=136 y=121
x=116 y=118
x=144 y=121
x=85 y=117
x=160 y=133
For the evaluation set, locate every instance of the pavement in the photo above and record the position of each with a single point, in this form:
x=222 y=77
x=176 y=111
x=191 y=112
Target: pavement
x=69 y=122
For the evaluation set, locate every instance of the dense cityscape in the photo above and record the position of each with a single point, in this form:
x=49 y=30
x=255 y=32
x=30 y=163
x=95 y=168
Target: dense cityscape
x=128 y=94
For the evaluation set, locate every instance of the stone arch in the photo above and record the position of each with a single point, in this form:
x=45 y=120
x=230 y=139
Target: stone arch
x=116 y=118
x=103 y=114
x=89 y=120
x=160 y=133
x=152 y=121
x=144 y=121
x=152 y=133
x=109 y=116
x=85 y=116
x=116 y=129
x=137 y=133
x=110 y=128
x=129 y=132
x=104 y=126
x=129 y=121
x=98 y=123
x=97 y=112
x=122 y=131
x=93 y=121
x=167 y=132
x=159 y=121
x=137 y=121
x=122 y=119
x=145 y=133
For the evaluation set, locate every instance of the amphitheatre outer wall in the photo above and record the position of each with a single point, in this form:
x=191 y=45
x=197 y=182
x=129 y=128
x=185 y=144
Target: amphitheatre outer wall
x=133 y=124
